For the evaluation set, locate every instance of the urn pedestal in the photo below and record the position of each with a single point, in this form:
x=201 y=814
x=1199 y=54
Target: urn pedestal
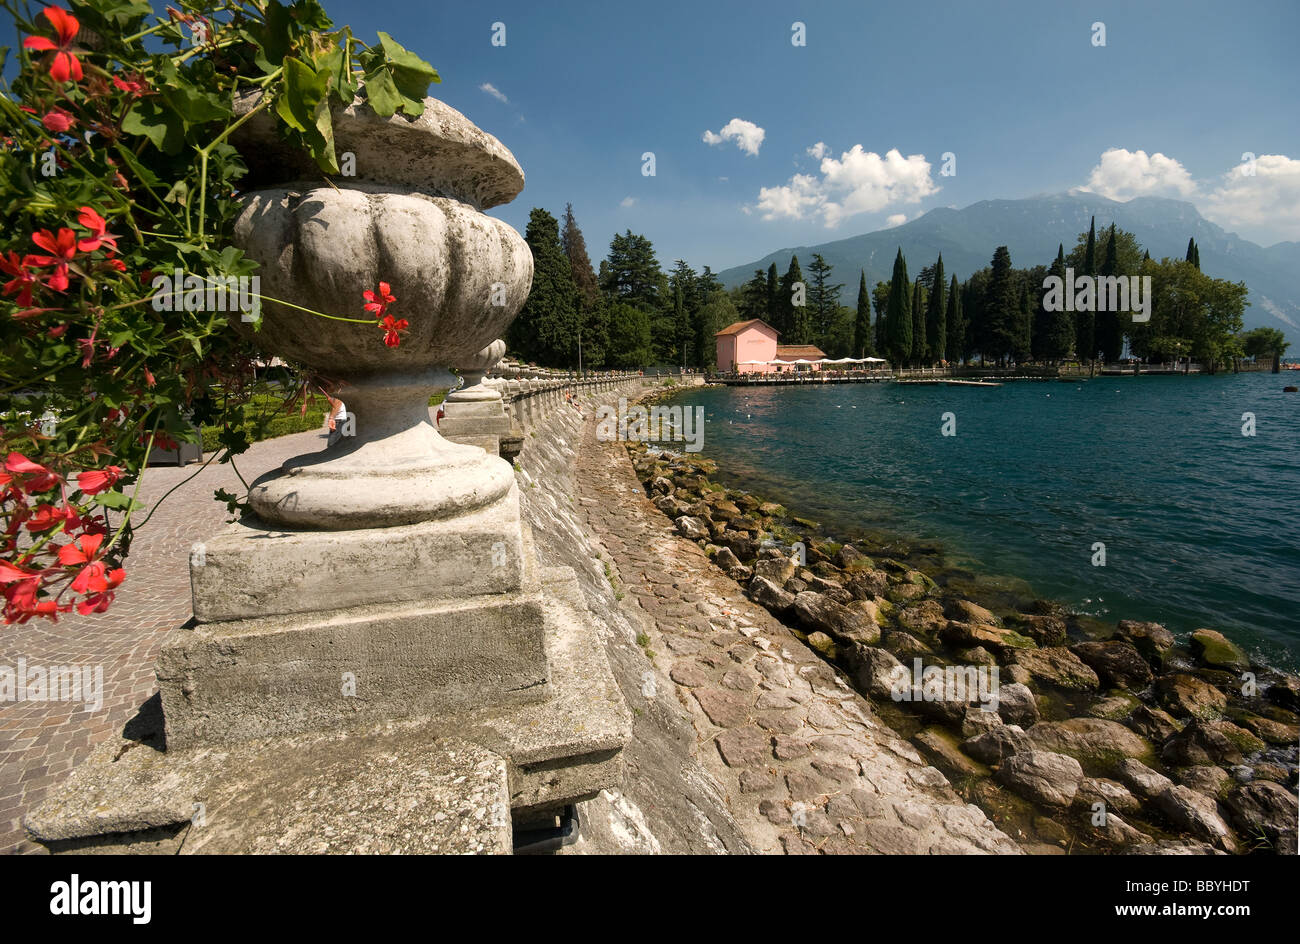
x=382 y=603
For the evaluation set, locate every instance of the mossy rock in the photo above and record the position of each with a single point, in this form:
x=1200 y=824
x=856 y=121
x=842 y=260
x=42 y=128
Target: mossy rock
x=1213 y=649
x=823 y=644
x=805 y=523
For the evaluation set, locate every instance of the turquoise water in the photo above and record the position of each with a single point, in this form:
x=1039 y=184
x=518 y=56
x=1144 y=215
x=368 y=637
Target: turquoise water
x=1199 y=521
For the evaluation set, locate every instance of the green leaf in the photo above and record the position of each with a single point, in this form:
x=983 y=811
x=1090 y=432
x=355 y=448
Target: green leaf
x=116 y=500
x=303 y=88
x=407 y=61
x=275 y=36
x=162 y=126
x=327 y=160
x=382 y=93
x=141 y=172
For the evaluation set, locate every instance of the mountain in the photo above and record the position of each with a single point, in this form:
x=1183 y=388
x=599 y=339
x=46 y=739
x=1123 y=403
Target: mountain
x=1032 y=227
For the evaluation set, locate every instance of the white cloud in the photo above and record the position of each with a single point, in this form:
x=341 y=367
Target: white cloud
x=895 y=219
x=860 y=181
x=494 y=92
x=627 y=202
x=1269 y=200
x=819 y=150
x=1123 y=174
x=747 y=135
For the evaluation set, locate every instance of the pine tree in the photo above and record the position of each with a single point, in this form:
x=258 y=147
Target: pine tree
x=898 y=314
x=936 y=315
x=955 y=344
x=864 y=341
x=753 y=297
x=824 y=304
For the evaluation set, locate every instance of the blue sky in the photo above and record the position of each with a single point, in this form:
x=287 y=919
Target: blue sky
x=1016 y=90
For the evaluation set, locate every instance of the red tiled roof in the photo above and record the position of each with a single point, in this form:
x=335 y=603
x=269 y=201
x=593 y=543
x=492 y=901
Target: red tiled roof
x=740 y=326
x=792 y=351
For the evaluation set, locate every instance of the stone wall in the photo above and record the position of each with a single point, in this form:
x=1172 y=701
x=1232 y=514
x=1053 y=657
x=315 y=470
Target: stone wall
x=669 y=802
x=743 y=739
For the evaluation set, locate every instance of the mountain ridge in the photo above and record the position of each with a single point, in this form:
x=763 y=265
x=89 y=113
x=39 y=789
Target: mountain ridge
x=1031 y=228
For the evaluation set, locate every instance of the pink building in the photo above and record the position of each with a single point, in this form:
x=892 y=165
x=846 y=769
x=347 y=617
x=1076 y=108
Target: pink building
x=753 y=340
x=749 y=347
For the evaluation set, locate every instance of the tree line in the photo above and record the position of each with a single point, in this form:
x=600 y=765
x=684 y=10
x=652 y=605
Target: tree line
x=628 y=315
x=631 y=314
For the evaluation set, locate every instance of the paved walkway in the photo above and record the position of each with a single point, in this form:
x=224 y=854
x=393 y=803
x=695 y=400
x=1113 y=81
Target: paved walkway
x=41 y=741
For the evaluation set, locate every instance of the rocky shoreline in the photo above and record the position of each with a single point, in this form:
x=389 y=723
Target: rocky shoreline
x=1089 y=738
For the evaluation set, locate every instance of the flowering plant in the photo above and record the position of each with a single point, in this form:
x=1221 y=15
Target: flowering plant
x=116 y=170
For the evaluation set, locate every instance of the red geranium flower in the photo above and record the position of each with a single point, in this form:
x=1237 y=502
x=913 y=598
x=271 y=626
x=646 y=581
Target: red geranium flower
x=94 y=481
x=66 y=65
x=90 y=578
x=98 y=602
x=98 y=227
x=377 y=302
x=58 y=120
x=19 y=464
x=135 y=86
x=62 y=249
x=49 y=516
x=391 y=327
x=23 y=278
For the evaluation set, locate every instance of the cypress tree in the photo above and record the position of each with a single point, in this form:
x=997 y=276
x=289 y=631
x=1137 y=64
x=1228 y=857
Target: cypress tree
x=1053 y=330
x=546 y=329
x=785 y=307
x=1191 y=249
x=1085 y=323
x=864 y=342
x=1110 y=334
x=880 y=302
x=936 y=315
x=773 y=293
x=955 y=324
x=918 y=324
x=898 y=313
x=1001 y=306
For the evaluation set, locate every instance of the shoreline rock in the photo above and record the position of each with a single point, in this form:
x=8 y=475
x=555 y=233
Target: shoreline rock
x=1109 y=706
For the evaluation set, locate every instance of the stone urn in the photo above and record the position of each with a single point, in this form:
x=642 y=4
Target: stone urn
x=411 y=217
x=473 y=370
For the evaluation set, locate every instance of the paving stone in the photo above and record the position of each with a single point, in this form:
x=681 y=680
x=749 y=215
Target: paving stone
x=744 y=746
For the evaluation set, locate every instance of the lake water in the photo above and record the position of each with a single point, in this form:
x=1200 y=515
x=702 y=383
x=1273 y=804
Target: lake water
x=1198 y=520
